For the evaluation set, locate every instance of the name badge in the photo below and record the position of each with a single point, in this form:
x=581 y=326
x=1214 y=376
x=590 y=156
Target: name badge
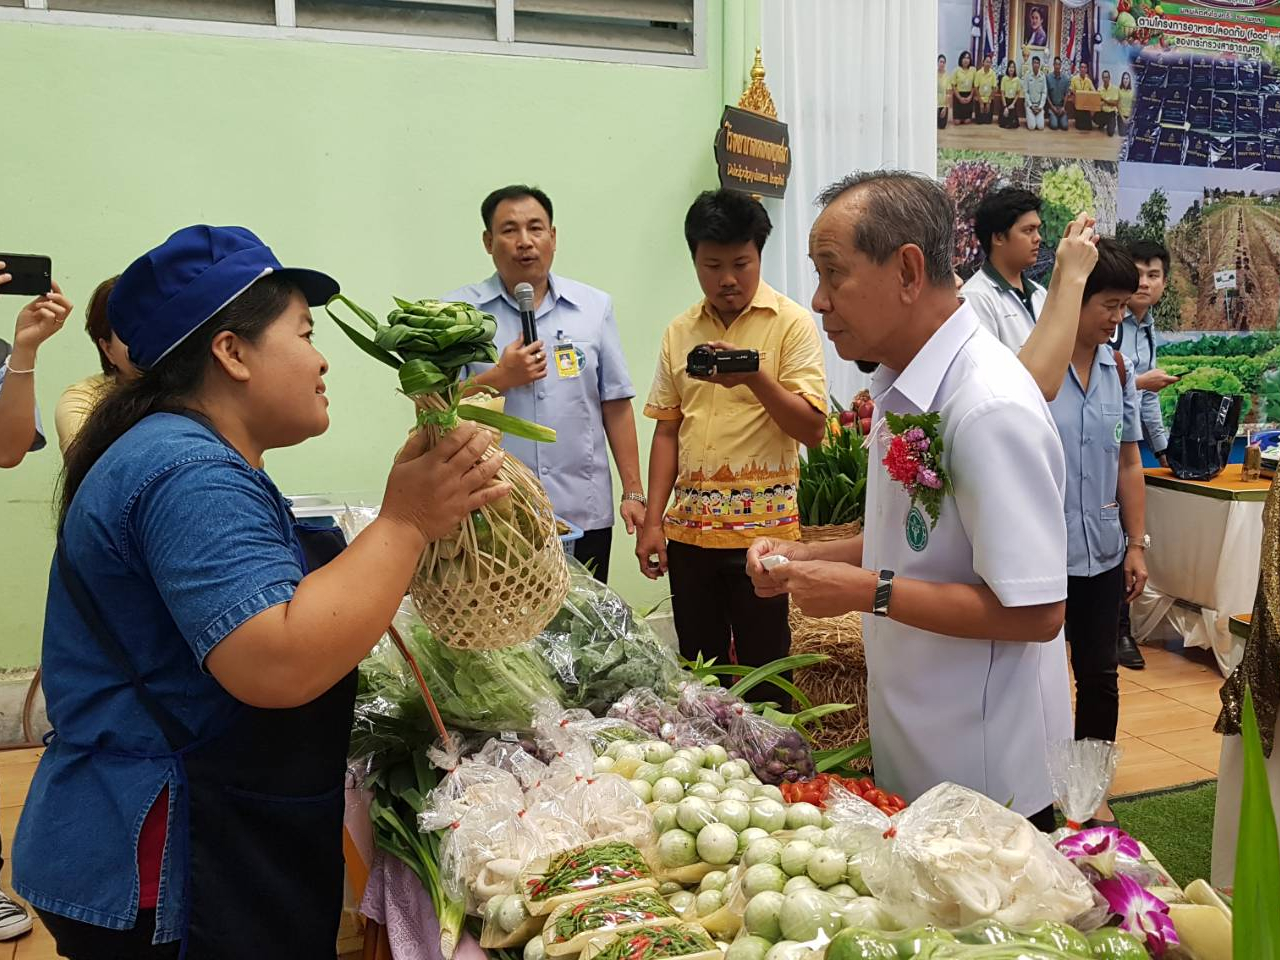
x=569 y=360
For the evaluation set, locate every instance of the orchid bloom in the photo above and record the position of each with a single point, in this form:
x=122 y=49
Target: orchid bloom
x=1141 y=912
x=1099 y=847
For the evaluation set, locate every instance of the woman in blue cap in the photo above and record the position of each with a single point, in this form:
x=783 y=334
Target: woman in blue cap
x=200 y=649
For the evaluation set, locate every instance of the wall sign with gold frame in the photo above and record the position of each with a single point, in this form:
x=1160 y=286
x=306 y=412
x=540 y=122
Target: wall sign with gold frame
x=752 y=147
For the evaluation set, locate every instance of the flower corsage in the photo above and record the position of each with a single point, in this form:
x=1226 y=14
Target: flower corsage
x=914 y=459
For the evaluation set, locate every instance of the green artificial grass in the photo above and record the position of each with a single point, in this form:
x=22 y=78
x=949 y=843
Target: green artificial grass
x=1175 y=824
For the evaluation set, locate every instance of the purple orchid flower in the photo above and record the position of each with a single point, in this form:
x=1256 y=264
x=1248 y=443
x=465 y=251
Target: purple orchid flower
x=914 y=435
x=1141 y=912
x=928 y=478
x=1098 y=848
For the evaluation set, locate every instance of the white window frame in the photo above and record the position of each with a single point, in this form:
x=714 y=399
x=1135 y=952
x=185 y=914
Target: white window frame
x=286 y=28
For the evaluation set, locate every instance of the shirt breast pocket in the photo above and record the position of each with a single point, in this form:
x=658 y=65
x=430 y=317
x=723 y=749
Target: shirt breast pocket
x=1113 y=422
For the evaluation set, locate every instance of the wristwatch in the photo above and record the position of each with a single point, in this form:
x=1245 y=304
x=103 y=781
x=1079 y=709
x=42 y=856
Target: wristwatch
x=1144 y=543
x=639 y=498
x=884 y=592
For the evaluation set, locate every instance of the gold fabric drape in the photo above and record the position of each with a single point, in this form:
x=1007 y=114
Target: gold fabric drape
x=1260 y=668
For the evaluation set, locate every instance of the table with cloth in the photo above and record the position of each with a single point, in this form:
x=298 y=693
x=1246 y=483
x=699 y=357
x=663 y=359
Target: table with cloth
x=1203 y=561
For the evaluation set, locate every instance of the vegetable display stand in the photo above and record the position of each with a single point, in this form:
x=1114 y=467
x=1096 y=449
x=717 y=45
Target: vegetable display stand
x=503 y=576
x=843 y=677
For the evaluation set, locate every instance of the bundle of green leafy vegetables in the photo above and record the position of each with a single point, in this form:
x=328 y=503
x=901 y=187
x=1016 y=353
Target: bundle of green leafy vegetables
x=487 y=691
x=599 y=649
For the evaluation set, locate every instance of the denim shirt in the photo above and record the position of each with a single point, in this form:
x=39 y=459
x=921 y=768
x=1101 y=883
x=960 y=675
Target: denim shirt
x=578 y=318
x=180 y=542
x=1092 y=425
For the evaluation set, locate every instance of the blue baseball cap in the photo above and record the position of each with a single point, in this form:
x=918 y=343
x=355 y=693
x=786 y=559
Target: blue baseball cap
x=167 y=294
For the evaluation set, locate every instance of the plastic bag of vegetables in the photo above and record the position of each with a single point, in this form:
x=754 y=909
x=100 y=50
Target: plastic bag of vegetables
x=645 y=709
x=956 y=857
x=583 y=872
x=680 y=941
x=513 y=756
x=469 y=784
x=555 y=726
x=599 y=649
x=507 y=923
x=571 y=926
x=502 y=576
x=483 y=690
x=776 y=753
x=702 y=701
x=1080 y=773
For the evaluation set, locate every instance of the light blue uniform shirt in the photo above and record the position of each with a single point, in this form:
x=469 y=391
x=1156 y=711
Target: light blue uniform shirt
x=1092 y=425
x=38 y=442
x=575 y=469
x=1139 y=343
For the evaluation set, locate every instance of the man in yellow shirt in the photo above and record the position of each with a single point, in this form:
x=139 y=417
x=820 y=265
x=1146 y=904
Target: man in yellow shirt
x=1106 y=117
x=727 y=432
x=985 y=83
x=1082 y=82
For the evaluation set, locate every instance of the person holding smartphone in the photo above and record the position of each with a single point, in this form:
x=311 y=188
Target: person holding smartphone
x=20 y=429
x=200 y=645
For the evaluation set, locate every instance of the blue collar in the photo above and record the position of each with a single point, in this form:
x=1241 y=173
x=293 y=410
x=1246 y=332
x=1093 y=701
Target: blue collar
x=557 y=289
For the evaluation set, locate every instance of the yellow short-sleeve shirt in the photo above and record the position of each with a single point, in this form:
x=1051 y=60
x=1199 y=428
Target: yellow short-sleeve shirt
x=1110 y=98
x=1124 y=99
x=986 y=81
x=963 y=79
x=1010 y=88
x=1081 y=84
x=737 y=469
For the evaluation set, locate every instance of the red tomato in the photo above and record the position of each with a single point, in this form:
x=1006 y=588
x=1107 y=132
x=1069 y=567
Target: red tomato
x=865 y=784
x=875 y=796
x=896 y=800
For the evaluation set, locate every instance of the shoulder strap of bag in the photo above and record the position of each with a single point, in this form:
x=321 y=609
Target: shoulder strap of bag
x=175 y=732
x=1121 y=368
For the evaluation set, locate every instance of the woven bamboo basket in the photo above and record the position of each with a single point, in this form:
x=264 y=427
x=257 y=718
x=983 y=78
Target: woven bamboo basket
x=843 y=677
x=502 y=577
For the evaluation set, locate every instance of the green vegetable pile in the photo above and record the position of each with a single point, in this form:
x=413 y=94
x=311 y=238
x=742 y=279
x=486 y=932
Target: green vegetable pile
x=589 y=868
x=986 y=940
x=600 y=649
x=833 y=476
x=487 y=691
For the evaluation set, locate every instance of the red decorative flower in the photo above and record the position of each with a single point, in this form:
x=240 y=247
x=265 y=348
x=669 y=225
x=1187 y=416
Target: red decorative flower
x=901 y=461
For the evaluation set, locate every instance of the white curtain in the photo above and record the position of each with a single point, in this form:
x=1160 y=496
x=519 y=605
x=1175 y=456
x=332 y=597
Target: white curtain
x=854 y=81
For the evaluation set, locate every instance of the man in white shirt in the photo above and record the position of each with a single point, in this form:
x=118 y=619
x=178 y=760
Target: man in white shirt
x=967 y=676
x=1007 y=301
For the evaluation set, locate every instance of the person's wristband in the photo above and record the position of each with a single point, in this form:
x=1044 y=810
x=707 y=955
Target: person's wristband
x=13 y=370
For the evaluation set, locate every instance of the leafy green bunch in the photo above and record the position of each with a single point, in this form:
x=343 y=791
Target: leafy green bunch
x=428 y=342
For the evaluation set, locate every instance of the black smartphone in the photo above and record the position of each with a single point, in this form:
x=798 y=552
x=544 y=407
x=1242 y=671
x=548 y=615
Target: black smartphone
x=32 y=275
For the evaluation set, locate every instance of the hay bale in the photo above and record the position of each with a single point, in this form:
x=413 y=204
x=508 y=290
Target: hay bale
x=843 y=677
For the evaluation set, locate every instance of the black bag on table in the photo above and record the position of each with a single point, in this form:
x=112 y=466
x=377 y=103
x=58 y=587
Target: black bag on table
x=1204 y=429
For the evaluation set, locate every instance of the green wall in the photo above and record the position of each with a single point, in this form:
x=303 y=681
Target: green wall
x=367 y=162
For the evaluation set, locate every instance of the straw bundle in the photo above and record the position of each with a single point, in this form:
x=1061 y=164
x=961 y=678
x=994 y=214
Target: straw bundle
x=843 y=677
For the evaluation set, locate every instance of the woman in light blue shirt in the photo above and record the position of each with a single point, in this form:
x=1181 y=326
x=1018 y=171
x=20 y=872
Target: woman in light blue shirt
x=1096 y=412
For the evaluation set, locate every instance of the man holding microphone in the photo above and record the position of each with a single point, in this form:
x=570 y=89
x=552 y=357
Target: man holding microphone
x=584 y=395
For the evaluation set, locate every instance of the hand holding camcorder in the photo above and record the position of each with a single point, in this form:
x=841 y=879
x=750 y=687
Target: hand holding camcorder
x=705 y=361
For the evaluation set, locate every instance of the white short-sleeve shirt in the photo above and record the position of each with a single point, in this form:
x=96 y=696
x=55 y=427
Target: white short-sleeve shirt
x=975 y=712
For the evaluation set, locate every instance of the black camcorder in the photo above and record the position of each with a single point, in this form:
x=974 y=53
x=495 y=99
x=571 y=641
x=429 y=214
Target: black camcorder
x=705 y=361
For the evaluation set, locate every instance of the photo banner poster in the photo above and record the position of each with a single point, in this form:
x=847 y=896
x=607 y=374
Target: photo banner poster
x=1169 y=130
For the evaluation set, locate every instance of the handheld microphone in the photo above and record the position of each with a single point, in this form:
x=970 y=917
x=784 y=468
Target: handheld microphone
x=524 y=299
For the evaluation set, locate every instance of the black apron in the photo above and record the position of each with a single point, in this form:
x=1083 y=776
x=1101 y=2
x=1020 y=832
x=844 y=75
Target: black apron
x=265 y=801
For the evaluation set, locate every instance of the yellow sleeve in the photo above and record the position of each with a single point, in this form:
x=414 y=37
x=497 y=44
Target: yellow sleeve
x=664 y=395
x=801 y=368
x=73 y=409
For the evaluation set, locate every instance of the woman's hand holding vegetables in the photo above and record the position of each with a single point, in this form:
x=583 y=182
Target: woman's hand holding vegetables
x=433 y=490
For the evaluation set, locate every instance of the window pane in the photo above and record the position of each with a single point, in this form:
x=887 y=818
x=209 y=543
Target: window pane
x=234 y=11
x=655 y=26
x=470 y=19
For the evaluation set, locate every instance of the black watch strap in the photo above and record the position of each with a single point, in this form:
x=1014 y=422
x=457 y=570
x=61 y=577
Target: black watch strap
x=884 y=592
